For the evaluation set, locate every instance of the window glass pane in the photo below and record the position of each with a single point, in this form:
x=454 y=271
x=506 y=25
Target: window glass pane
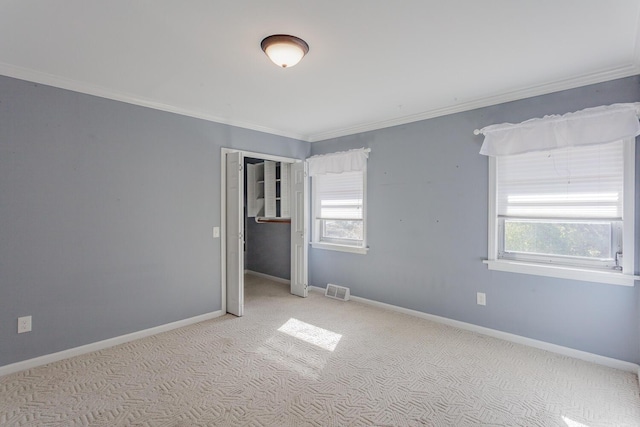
x=564 y=238
x=343 y=230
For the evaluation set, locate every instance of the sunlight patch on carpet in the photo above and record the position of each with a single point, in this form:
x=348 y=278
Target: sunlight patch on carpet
x=311 y=334
x=570 y=423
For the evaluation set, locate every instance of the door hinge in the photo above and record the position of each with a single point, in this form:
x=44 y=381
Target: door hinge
x=240 y=167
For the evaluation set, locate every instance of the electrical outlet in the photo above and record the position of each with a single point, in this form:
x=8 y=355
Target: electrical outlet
x=481 y=298
x=24 y=324
x=216 y=232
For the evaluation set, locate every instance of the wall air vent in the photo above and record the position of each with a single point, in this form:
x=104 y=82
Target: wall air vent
x=337 y=292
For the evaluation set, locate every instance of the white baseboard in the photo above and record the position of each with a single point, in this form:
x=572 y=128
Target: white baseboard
x=267 y=276
x=554 y=348
x=100 y=345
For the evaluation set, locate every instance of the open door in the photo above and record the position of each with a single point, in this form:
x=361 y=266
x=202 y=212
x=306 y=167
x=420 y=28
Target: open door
x=299 y=228
x=235 y=233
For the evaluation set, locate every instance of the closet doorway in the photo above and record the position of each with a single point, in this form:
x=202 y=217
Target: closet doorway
x=277 y=192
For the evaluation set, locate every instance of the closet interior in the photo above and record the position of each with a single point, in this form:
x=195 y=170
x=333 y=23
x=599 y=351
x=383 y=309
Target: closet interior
x=267 y=217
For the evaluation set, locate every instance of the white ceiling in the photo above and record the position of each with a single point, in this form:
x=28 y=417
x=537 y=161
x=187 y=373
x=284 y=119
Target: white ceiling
x=371 y=63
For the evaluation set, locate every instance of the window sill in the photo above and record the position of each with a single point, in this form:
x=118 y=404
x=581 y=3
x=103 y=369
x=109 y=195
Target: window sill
x=563 y=272
x=339 y=248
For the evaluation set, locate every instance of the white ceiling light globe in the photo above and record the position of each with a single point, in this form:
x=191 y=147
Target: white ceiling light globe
x=285 y=51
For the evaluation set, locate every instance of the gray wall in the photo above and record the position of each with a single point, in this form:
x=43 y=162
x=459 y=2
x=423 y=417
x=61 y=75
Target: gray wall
x=269 y=248
x=106 y=216
x=427 y=231
x=106 y=212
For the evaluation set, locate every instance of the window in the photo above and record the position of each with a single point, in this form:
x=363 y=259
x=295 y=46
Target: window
x=339 y=208
x=338 y=201
x=562 y=195
x=562 y=206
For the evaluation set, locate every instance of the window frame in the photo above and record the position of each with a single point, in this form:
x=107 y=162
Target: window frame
x=341 y=245
x=568 y=270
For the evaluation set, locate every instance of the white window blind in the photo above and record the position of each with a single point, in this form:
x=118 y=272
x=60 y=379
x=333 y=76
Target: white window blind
x=339 y=196
x=584 y=182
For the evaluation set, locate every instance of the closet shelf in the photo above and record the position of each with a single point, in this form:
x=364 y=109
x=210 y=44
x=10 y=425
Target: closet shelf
x=268 y=190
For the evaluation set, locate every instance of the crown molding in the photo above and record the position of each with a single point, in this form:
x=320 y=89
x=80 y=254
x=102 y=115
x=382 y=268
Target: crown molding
x=528 y=92
x=89 y=89
x=550 y=87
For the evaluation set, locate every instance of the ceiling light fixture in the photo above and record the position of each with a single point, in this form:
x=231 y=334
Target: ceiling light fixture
x=284 y=50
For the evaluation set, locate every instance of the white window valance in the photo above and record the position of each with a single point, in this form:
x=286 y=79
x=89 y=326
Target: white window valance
x=344 y=161
x=599 y=125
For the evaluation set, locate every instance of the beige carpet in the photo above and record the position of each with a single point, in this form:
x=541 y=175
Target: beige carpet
x=319 y=362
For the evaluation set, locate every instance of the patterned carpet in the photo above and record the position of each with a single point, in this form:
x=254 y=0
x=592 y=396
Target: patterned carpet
x=319 y=362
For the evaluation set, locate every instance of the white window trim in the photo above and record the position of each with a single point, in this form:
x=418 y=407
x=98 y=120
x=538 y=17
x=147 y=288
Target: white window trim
x=625 y=278
x=562 y=272
x=340 y=248
x=336 y=246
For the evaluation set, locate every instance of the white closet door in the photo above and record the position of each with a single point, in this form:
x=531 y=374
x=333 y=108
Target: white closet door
x=235 y=234
x=299 y=227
